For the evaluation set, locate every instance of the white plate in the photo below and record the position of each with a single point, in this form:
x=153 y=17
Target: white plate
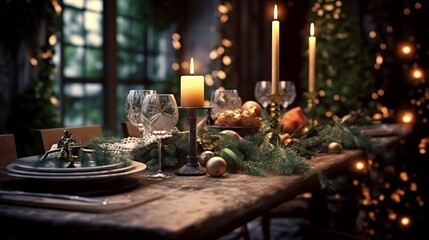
x=27 y=163
x=20 y=169
x=136 y=167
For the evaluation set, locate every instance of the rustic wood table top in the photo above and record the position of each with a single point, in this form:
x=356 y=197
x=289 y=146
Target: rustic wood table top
x=184 y=207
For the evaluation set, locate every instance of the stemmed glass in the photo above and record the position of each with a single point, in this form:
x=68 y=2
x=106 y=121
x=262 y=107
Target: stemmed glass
x=287 y=88
x=262 y=92
x=133 y=103
x=223 y=100
x=161 y=114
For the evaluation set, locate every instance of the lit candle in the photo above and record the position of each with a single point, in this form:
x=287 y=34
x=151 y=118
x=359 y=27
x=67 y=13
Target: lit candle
x=311 y=59
x=275 y=57
x=192 y=89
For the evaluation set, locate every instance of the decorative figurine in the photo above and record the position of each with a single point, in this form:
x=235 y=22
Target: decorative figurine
x=66 y=154
x=66 y=137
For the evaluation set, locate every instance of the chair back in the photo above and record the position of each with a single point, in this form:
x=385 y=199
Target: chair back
x=45 y=138
x=129 y=130
x=8 y=153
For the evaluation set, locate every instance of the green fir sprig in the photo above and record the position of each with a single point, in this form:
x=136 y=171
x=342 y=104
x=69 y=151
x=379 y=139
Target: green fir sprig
x=256 y=156
x=316 y=139
x=174 y=151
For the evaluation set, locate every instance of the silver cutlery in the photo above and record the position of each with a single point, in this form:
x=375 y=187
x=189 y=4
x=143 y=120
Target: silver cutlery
x=99 y=201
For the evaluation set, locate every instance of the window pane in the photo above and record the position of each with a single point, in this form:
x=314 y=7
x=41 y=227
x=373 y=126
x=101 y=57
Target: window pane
x=122 y=6
x=95 y=39
x=94 y=63
x=158 y=64
x=153 y=41
x=121 y=93
x=93 y=22
x=123 y=65
x=123 y=36
x=95 y=5
x=137 y=32
x=82 y=104
x=74 y=3
x=157 y=69
x=137 y=66
x=73 y=30
x=73 y=60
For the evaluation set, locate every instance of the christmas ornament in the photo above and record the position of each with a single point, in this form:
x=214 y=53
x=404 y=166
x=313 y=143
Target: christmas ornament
x=231 y=159
x=335 y=148
x=231 y=133
x=293 y=120
x=204 y=157
x=252 y=106
x=216 y=166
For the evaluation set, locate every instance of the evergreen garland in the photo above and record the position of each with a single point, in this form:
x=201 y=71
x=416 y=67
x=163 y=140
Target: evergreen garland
x=317 y=139
x=253 y=154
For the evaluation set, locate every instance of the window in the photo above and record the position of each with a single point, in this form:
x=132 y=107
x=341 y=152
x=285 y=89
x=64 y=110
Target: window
x=81 y=62
x=143 y=59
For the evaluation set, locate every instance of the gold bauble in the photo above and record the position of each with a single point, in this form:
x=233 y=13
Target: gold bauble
x=216 y=166
x=335 y=148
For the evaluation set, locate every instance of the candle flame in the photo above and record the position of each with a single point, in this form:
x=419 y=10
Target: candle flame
x=192 y=66
x=275 y=11
x=312 y=29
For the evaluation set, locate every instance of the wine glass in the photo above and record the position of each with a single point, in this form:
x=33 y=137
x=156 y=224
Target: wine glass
x=287 y=88
x=262 y=92
x=161 y=114
x=223 y=100
x=133 y=103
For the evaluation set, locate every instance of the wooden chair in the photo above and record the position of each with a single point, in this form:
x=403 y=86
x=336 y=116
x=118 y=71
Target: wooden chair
x=7 y=149
x=129 y=130
x=45 y=138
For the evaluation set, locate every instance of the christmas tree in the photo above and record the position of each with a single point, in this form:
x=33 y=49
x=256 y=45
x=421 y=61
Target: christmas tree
x=344 y=81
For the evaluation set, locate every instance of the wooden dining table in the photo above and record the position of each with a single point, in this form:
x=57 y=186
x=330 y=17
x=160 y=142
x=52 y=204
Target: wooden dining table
x=183 y=207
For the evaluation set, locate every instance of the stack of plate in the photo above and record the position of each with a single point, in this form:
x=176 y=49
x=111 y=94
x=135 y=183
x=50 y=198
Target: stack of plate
x=23 y=168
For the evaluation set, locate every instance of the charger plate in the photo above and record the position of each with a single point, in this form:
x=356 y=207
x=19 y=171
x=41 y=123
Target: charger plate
x=20 y=169
x=65 y=177
x=27 y=163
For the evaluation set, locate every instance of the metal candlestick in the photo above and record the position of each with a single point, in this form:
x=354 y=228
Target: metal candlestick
x=275 y=111
x=274 y=134
x=192 y=167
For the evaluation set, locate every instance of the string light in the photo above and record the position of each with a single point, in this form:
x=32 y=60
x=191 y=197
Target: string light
x=33 y=62
x=57 y=7
x=52 y=39
x=407 y=117
x=405 y=221
x=360 y=165
x=175 y=42
x=209 y=80
x=423 y=145
x=226 y=60
x=175 y=66
x=403 y=176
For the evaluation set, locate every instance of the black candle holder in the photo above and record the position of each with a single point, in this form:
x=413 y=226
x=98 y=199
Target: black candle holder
x=192 y=167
